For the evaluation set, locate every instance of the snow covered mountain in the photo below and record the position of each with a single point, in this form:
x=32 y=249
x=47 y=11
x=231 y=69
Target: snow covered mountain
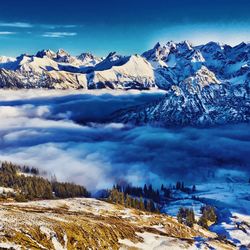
x=60 y=70
x=162 y=67
x=206 y=83
x=88 y=59
x=212 y=105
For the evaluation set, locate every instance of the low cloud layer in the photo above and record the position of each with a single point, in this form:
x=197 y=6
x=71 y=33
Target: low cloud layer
x=48 y=133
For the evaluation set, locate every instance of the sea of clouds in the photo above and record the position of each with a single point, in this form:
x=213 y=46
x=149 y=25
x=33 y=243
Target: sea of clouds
x=64 y=133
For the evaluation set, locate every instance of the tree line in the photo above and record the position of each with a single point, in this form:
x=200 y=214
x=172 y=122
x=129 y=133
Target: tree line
x=125 y=199
x=146 y=197
x=35 y=187
x=146 y=192
x=149 y=192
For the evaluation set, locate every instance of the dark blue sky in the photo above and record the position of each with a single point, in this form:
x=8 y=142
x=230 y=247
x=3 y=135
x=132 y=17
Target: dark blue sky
x=127 y=27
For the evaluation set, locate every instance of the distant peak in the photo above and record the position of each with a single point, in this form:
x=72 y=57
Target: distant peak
x=135 y=56
x=46 y=52
x=212 y=43
x=62 y=52
x=23 y=55
x=157 y=45
x=212 y=47
x=241 y=45
x=111 y=54
x=85 y=55
x=186 y=44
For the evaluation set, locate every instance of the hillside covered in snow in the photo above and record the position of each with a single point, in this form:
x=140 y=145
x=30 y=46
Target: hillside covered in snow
x=52 y=225
x=205 y=85
x=164 y=66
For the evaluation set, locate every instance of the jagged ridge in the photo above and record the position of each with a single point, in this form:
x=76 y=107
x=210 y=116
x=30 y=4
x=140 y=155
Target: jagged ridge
x=206 y=84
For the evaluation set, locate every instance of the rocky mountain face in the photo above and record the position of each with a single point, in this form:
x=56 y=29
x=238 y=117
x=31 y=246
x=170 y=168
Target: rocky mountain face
x=211 y=105
x=204 y=84
x=61 y=70
x=162 y=67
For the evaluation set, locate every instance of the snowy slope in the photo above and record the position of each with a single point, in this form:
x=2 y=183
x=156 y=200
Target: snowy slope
x=205 y=85
x=190 y=105
x=88 y=59
x=60 y=70
x=232 y=202
x=51 y=224
x=135 y=72
x=6 y=62
x=171 y=63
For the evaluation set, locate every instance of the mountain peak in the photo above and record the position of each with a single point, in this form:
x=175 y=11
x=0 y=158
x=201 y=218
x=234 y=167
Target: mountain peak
x=22 y=56
x=64 y=57
x=85 y=55
x=46 y=52
x=184 y=46
x=113 y=56
x=157 y=45
x=213 y=46
x=88 y=59
x=172 y=63
x=241 y=45
x=62 y=53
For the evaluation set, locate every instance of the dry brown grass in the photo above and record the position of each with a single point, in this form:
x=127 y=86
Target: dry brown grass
x=82 y=229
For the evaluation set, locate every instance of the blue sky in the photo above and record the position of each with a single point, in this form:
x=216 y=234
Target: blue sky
x=127 y=27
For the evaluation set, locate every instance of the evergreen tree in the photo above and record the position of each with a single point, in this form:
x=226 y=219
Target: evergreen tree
x=190 y=218
x=141 y=205
x=178 y=185
x=148 y=207
x=186 y=216
x=145 y=190
x=208 y=215
x=180 y=214
x=133 y=202
x=128 y=201
x=151 y=206
x=122 y=199
x=137 y=204
x=203 y=222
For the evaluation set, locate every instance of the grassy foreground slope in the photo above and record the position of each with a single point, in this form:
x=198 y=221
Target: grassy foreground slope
x=85 y=223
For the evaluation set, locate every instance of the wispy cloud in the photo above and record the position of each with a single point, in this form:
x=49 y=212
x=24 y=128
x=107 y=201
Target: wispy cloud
x=59 y=34
x=16 y=24
x=4 y=33
x=29 y=25
x=58 y=26
x=69 y=26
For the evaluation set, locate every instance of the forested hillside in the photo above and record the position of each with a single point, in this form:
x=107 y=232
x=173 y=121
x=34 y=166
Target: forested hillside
x=28 y=185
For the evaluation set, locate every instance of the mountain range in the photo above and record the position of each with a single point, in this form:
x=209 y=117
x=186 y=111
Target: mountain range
x=205 y=84
x=164 y=66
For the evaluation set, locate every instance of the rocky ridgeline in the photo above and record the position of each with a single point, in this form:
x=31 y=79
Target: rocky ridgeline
x=205 y=85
